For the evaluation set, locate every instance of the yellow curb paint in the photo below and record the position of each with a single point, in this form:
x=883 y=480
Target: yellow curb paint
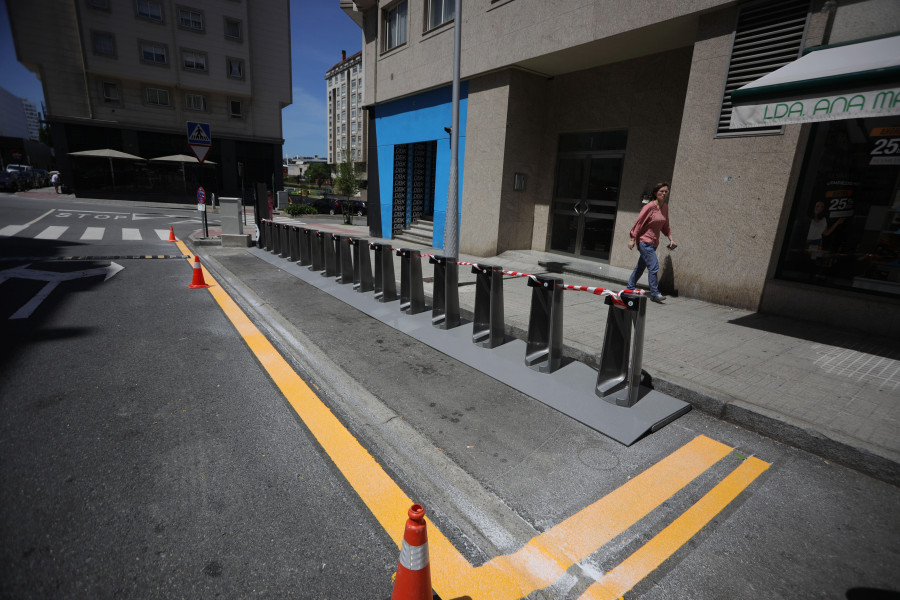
x=538 y=564
x=652 y=554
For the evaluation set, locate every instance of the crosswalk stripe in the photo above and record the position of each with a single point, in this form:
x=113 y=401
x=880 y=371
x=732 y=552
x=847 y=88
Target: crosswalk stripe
x=162 y=233
x=51 y=233
x=131 y=234
x=11 y=230
x=93 y=233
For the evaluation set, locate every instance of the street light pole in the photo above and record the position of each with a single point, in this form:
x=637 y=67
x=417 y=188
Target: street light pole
x=451 y=232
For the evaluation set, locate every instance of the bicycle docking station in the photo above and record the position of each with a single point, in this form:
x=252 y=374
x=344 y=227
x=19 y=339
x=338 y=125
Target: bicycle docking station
x=610 y=399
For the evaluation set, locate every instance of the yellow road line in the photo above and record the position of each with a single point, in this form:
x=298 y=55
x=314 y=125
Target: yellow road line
x=544 y=559
x=652 y=554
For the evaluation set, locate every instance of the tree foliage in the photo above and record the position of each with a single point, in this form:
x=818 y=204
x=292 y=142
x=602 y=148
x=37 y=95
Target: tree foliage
x=317 y=172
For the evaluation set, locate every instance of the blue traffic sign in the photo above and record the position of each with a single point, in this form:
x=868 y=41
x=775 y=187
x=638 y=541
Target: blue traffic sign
x=201 y=196
x=199 y=134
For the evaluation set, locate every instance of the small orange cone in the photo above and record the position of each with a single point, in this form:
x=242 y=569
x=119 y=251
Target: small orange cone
x=197 y=281
x=413 y=580
x=172 y=234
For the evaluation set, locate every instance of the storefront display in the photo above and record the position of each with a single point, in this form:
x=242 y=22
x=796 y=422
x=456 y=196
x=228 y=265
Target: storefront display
x=845 y=227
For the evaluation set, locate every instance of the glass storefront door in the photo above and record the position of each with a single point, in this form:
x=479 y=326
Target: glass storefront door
x=585 y=201
x=845 y=227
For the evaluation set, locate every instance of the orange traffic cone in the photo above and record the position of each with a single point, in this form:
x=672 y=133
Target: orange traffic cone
x=172 y=234
x=197 y=281
x=413 y=580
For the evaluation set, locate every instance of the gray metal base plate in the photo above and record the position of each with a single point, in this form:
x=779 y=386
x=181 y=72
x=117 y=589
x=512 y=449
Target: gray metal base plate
x=569 y=390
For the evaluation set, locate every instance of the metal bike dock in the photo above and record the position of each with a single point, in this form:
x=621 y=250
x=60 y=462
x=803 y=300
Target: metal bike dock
x=488 y=328
x=318 y=252
x=307 y=236
x=619 y=376
x=412 y=291
x=344 y=258
x=362 y=266
x=275 y=246
x=445 y=294
x=575 y=389
x=544 y=344
x=293 y=243
x=385 y=284
x=329 y=254
x=284 y=241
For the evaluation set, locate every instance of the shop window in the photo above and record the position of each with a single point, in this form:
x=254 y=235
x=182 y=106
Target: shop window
x=768 y=35
x=844 y=230
x=394 y=26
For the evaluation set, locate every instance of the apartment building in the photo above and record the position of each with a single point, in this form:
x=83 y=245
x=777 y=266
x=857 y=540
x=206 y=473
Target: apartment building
x=130 y=75
x=347 y=123
x=571 y=111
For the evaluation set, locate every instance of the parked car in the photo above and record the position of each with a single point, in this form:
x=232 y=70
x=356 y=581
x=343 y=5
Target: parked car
x=43 y=177
x=25 y=174
x=9 y=182
x=323 y=205
x=357 y=207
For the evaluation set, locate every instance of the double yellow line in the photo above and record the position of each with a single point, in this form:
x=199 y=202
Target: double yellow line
x=546 y=557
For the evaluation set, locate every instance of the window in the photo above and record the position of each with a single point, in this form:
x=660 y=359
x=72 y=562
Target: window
x=153 y=53
x=394 y=27
x=110 y=93
x=236 y=111
x=235 y=68
x=194 y=102
x=193 y=61
x=104 y=4
x=343 y=89
x=149 y=9
x=190 y=19
x=439 y=12
x=103 y=43
x=845 y=219
x=767 y=36
x=157 y=97
x=232 y=28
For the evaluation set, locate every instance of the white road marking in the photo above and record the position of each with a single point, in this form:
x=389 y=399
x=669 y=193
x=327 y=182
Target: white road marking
x=131 y=234
x=11 y=230
x=93 y=233
x=163 y=234
x=51 y=233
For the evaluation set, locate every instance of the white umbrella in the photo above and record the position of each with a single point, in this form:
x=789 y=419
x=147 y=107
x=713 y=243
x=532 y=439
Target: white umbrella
x=181 y=158
x=110 y=154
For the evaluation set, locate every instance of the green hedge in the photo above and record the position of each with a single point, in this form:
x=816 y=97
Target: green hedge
x=299 y=209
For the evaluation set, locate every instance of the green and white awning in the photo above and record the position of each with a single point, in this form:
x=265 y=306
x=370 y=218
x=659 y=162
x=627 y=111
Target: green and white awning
x=842 y=81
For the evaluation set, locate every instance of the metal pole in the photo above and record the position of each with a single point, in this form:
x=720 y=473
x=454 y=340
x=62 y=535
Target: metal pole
x=451 y=232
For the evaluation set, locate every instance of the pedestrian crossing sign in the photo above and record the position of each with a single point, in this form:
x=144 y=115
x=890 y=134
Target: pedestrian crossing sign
x=198 y=133
x=199 y=139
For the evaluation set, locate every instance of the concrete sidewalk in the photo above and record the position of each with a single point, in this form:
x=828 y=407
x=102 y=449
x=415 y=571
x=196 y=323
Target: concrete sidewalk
x=833 y=393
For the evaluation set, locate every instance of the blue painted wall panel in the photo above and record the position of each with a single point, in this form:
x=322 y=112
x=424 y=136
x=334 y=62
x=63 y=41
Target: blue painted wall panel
x=420 y=118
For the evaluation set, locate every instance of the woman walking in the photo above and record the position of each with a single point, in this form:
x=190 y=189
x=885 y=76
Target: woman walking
x=654 y=218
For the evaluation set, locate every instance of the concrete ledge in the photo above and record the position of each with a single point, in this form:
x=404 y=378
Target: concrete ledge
x=236 y=240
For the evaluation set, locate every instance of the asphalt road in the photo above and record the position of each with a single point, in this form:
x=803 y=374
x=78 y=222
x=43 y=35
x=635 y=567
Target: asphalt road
x=146 y=455
x=145 y=452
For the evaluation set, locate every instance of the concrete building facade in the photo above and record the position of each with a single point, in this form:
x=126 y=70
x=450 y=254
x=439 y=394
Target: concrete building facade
x=571 y=111
x=130 y=76
x=347 y=123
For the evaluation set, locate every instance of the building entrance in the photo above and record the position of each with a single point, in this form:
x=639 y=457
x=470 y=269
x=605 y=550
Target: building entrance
x=585 y=201
x=414 y=171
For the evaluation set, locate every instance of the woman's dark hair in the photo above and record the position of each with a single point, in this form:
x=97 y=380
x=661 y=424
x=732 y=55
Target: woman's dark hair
x=658 y=187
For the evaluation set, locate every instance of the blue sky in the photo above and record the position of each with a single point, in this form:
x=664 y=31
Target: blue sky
x=319 y=31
